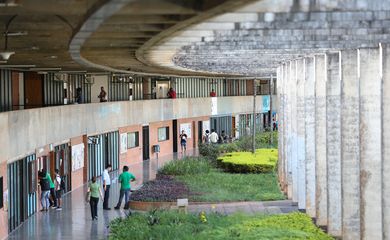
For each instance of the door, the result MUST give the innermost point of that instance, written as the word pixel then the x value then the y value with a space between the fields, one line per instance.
pixel 174 126
pixel 200 131
pixel 162 88
pixel 63 164
pixel 33 85
pixel 145 143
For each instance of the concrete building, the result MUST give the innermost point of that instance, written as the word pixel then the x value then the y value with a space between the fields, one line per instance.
pixel 328 60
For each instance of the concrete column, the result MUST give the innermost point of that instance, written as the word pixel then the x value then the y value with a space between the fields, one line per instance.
pixel 310 137
pixel 286 70
pixel 288 130
pixel 386 143
pixel 320 141
pixel 280 93
pixel 333 143
pixel 350 149
pixel 300 93
pixel 293 132
pixel 370 144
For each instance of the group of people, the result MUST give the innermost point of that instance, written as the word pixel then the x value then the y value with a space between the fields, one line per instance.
pixel 214 138
pixel 95 191
pixel 51 191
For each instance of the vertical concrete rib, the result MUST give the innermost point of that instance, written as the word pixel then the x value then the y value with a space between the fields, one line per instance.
pixel 333 143
pixel 294 135
pixel 350 145
pixel 286 69
pixel 300 93
pixel 386 142
pixel 310 137
pixel 370 144
pixel 279 79
pixel 321 164
pixel 288 106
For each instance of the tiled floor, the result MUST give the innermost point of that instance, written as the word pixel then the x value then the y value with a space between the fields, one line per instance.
pixel 74 221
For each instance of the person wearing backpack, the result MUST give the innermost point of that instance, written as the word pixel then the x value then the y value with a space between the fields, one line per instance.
pixel 45 190
pixel 59 187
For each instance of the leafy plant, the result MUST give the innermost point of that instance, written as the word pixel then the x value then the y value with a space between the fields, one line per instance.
pixel 176 225
pixel 186 166
pixel 263 161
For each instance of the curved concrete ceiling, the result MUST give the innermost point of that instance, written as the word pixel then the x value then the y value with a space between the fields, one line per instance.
pixel 253 40
pixel 114 37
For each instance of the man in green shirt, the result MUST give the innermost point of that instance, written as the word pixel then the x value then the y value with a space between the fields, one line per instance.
pixel 125 178
pixel 53 197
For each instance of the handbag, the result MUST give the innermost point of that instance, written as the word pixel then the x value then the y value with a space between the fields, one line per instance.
pixel 88 197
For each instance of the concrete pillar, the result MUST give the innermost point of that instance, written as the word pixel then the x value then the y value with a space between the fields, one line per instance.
pixel 350 149
pixel 310 137
pixel 333 143
pixel 288 130
pixel 280 93
pixel 386 143
pixel 320 141
pixel 293 132
pixel 370 144
pixel 300 95
pixel 286 69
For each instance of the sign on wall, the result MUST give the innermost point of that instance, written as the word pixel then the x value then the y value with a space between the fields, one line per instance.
pixel 187 129
pixel 206 126
pixel 77 156
pixel 266 104
pixel 214 106
pixel 123 146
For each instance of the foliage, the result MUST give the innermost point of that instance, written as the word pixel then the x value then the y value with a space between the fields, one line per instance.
pixel 209 151
pixel 262 140
pixel 186 166
pixel 163 189
pixel 263 161
pixel 167 225
pixel 225 187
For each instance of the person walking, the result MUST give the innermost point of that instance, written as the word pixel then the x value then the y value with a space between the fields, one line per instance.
pixel 183 141
pixel 95 192
pixel 52 195
pixel 58 190
pixel 106 186
pixel 171 93
pixel 45 190
pixel 206 137
pixel 125 178
pixel 214 137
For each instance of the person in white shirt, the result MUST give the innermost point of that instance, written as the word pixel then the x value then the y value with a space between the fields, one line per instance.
pixel 214 136
pixel 58 189
pixel 106 186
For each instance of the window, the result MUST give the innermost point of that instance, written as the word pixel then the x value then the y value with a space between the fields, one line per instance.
pixel 163 134
pixel 132 140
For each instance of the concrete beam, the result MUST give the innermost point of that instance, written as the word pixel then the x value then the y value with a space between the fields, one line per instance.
pixel 333 143
pixel 386 143
pixel 300 111
pixel 321 164
pixel 370 143
pixel 310 136
pixel 350 145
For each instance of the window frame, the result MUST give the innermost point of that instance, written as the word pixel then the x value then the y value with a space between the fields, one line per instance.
pixel 166 134
pixel 136 139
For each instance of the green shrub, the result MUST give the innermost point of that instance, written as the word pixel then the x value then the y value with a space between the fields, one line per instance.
pixel 209 151
pixel 167 225
pixel 263 161
pixel 262 140
pixel 186 166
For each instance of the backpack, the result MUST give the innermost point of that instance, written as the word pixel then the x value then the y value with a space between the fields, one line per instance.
pixel 207 138
pixel 45 184
pixel 62 185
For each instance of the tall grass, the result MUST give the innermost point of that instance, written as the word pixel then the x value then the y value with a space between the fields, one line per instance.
pixel 186 166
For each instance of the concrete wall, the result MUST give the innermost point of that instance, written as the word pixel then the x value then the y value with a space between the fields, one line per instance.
pixel 22 132
pixel 344 135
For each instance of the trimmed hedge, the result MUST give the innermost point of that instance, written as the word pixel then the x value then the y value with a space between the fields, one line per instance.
pixel 263 161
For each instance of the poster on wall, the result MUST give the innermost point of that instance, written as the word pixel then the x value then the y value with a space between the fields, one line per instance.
pixel 187 129
pixel 123 143
pixel 77 156
pixel 206 126
pixel 214 106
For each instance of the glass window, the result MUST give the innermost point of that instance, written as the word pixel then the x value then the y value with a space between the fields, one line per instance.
pixel 163 134
pixel 132 140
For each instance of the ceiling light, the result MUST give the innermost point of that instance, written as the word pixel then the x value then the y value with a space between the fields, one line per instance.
pixel 17 66
pixel 14 34
pixel 6 55
pixel 45 69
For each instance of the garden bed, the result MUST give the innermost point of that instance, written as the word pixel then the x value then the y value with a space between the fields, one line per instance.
pixel 167 225
pixel 262 161
pixel 197 180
